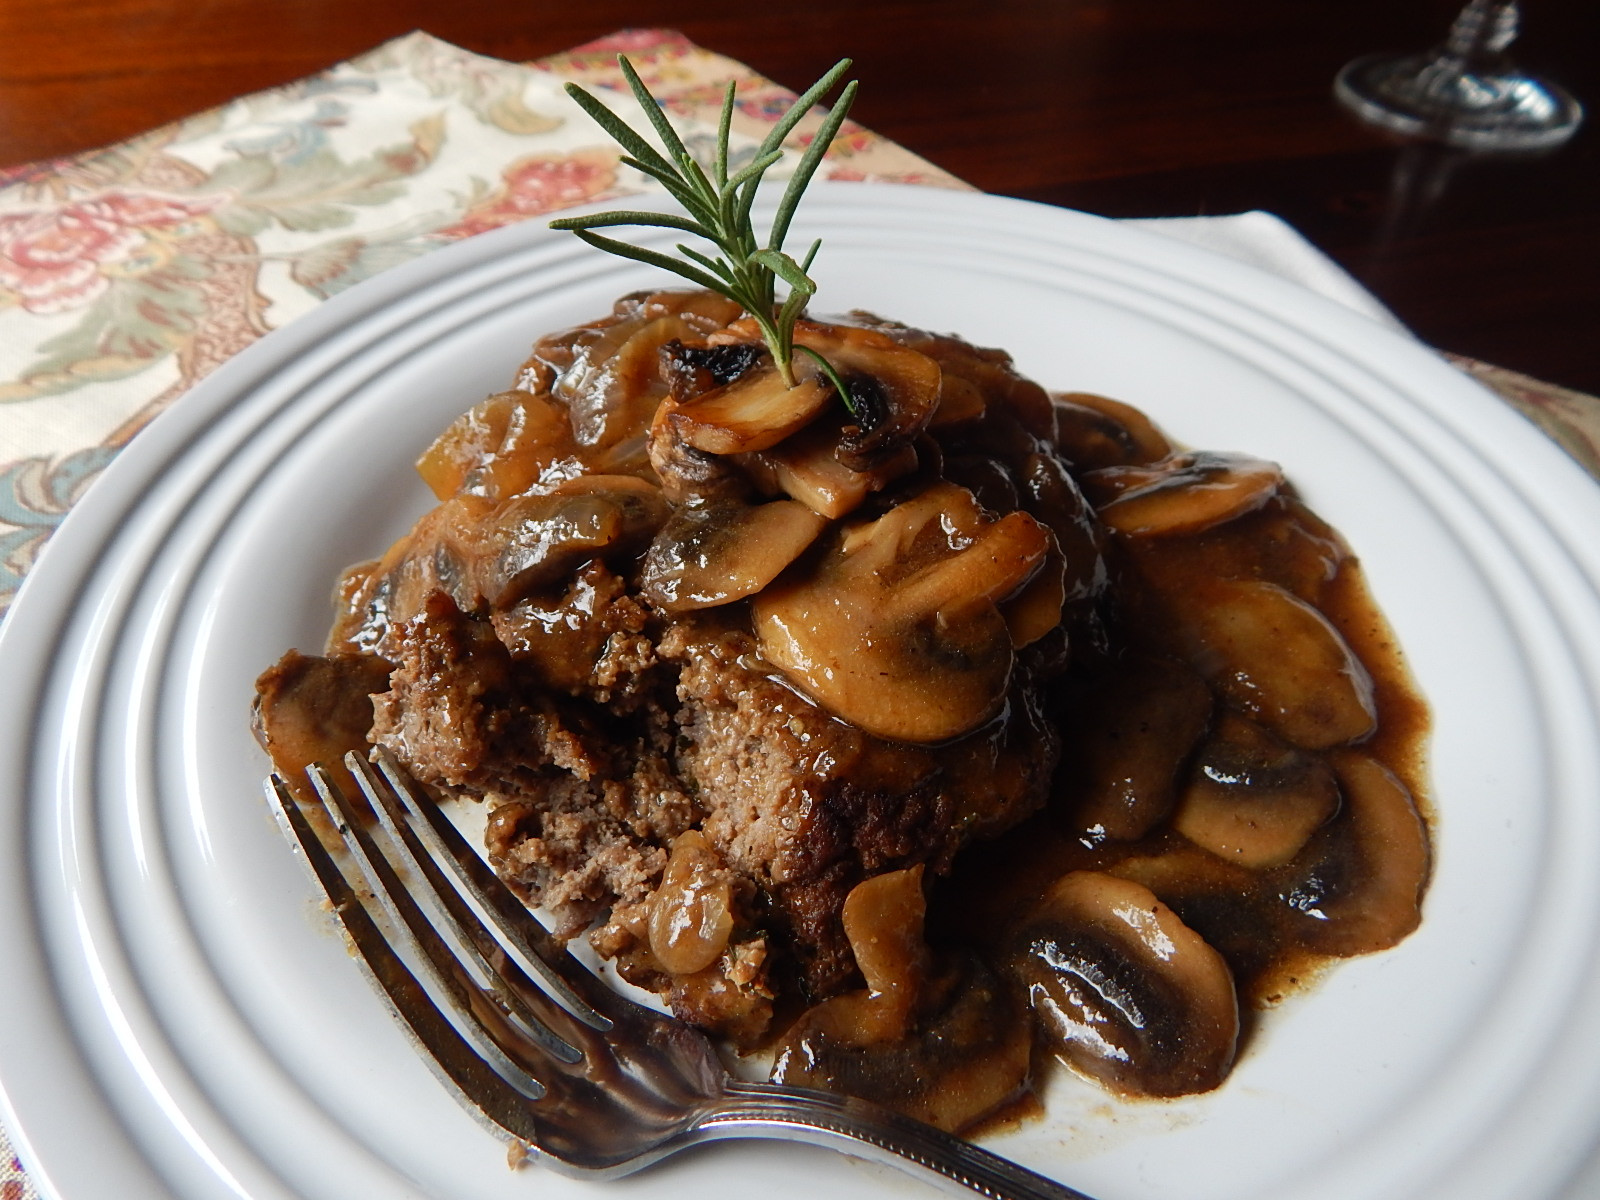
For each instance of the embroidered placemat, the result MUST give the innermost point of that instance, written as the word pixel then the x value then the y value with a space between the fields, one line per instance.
pixel 127 274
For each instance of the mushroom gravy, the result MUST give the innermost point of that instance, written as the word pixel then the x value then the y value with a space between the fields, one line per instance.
pixel 914 739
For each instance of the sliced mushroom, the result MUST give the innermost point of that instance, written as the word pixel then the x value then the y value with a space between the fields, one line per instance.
pixel 978 380
pixel 1052 495
pixel 897 629
pixel 959 400
pixel 1036 609
pixel 1233 907
pixel 893 389
pixel 1125 746
pixel 711 554
pixel 883 919
pixel 613 381
pixel 994 565
pixel 688 474
pixel 1182 494
pixel 1125 991
pixel 693 369
pixel 941 1042
pixel 691 912
pixel 316 710
pixel 1278 660
pixel 437 555
pixel 1358 887
pixel 985 476
pixel 1096 431
pixel 806 468
pixel 1252 798
pixel 532 541
pixel 498 448
pixel 754 412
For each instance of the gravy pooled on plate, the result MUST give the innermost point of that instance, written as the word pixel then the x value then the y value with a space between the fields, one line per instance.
pixel 892 734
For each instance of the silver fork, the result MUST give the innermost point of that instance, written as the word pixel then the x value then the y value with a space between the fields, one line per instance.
pixel 539 1048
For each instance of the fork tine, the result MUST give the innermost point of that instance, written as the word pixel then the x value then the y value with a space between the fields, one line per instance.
pixel 457 1062
pixel 507 982
pixel 651 1087
pixel 485 1010
pixel 564 976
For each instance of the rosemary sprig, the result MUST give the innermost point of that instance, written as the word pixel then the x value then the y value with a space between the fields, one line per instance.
pixel 718 208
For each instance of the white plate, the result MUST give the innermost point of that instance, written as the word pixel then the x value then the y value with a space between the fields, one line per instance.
pixel 177 1019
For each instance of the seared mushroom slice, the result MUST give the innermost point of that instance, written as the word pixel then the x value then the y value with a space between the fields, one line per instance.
pixel 1036 609
pixel 1182 494
pixel 316 710
pixel 1278 660
pixel 806 468
pixel 754 412
pixel 896 630
pixel 1096 431
pixel 437 555
pixel 691 912
pixel 894 390
pixel 691 370
pixel 711 554
pixel 974 378
pixel 1052 495
pixel 1125 992
pixel 1126 745
pixel 688 474
pixel 939 1041
pixel 614 382
pixel 532 541
pixel 1252 798
pixel 1358 886
pixel 498 448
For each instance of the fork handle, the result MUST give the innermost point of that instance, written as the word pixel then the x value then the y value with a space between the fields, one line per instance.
pixel 859 1128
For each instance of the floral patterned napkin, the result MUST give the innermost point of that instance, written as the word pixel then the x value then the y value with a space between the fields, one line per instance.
pixel 127 274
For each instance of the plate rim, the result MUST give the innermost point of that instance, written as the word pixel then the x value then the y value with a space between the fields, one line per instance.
pixel 169 436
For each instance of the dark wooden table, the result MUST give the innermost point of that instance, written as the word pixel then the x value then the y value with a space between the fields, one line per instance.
pixel 1119 107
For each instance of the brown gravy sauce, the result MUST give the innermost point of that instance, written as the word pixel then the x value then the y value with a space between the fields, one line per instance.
pixel 1271 958
pixel 1241 795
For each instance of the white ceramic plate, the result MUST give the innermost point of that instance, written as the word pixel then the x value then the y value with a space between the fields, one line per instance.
pixel 179 1020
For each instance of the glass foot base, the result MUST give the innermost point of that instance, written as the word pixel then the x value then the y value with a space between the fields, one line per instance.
pixel 1434 97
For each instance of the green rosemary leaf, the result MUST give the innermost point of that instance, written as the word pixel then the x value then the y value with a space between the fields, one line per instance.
pixel 670 140
pixel 785 268
pixel 783 126
pixel 754 169
pixel 804 104
pixel 648 159
pixel 608 219
pixel 725 133
pixel 654 258
pixel 689 169
pixel 680 191
pixel 715 265
pixel 801 289
pixel 832 374
pixel 809 162
pixel 735 208
pixel 793 305
pixel 720 211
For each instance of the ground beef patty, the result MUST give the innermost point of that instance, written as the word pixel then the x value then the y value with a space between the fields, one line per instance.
pixel 745 668
pixel 714 651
